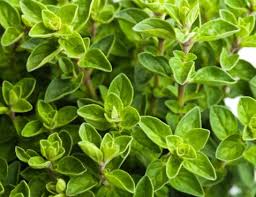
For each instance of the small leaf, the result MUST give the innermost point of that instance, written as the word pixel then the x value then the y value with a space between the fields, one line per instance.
pixel 70 166
pixel 92 151
pixel 59 88
pixel 72 44
pixel 38 162
pixel 246 109
pixel 80 184
pixel 122 87
pixel 188 183
pixel 197 138
pixel 156 64
pixel 21 190
pixel 144 188
pixel 250 154
pixel 155 129
pixel 94 114
pixel 228 16
pixel 190 120
pixel 41 55
pixel 68 13
pixel 27 86
pixel 32 128
pixel 129 117
pixel 95 58
pixel 216 29
pixel 88 133
pixel 228 61
pixel 200 166
pixel 121 179
pixel 21 106
pixel 173 166
pixel 10 36
pixel 9 15
pixel 65 115
pixel 3 169
pixel 212 75
pixel 230 149
pixel 51 20
pixel 155 27
pixel 40 31
pixel 32 9
pixel 223 122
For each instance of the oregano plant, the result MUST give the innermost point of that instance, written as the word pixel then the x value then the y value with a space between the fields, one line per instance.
pixel 126 98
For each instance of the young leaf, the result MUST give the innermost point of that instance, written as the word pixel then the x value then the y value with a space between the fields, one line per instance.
pixel 38 162
pixel 95 58
pixel 173 166
pixel 155 27
pixel 155 64
pixel 92 151
pixel 155 129
pixel 212 75
pixel 121 179
pixel 215 30
pixel 246 109
pixel 68 13
pixel 51 20
pixel 70 166
pixel 122 87
pixel 32 128
pixel 188 183
pixel 129 117
pixel 80 184
pixel 250 154
pixel 88 133
pixel 144 188
pixel 223 122
pixel 191 120
pixel 228 61
pixel 230 149
pixel 200 166
pixel 32 10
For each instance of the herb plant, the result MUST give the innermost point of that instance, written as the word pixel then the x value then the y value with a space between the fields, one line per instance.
pixel 120 98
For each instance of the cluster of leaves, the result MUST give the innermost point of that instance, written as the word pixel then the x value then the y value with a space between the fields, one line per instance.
pixel 126 98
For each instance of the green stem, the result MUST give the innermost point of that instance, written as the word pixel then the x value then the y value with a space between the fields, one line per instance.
pixel 181 93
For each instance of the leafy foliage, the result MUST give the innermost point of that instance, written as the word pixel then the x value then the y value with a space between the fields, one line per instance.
pixel 125 98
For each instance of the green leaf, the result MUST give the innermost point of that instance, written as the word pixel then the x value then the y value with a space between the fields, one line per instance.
pixel 68 13
pixel 32 10
pixel 227 60
pixel 88 133
pixel 173 141
pixel 132 15
pixel 3 169
pixel 41 55
pixel 6 88
pixel 121 179
pixel 95 58
pixel 32 128
pixel 200 166
pixel 27 86
pixel 1 188
pixel 155 129
pixel 129 117
pixel 173 166
pixel 250 154
pixel 109 148
pixel 144 188
pixel 38 162
pixel 40 31
pixel 94 114
pixel 105 44
pixel 246 109
pixel 9 15
pixel 10 36
pixel 190 120
pixel 182 71
pixel 155 27
pixel 186 151
pixel 230 148
pixel 197 138
pixel 80 184
pixel 156 64
pixel 122 87
pixel 216 29
pixel 73 45
pixel 228 16
pixel 243 70
pixel 59 88
pixel 51 20
pixel 223 122
pixel 213 76
pixel 92 151
pixel 21 190
pixel 236 4
pixel 70 166
pixel 113 107
pixel 65 115
pixel 188 183
pixel 21 106
pixel 46 112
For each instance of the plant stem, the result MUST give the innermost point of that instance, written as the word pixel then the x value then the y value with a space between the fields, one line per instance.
pixel 88 83
pixel 181 93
